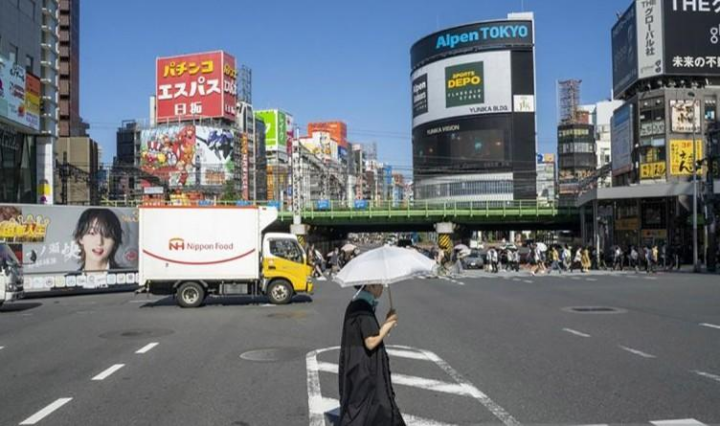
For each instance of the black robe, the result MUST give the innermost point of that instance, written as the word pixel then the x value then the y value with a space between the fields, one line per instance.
pixel 366 394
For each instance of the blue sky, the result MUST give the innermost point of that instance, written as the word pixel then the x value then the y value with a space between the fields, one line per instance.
pixel 322 59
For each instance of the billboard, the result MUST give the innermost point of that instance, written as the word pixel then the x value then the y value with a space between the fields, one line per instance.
pixel 693 37
pixel 19 95
pixel 625 51
pixel 337 130
pixel 621 139
pixel 178 154
pixel 196 85
pixel 473 84
pixel 654 170
pixel 472 37
pixel 76 247
pixel 279 127
pixel 681 156
pixel 684 116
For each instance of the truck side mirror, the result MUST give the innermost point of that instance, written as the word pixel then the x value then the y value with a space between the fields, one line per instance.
pixel 33 256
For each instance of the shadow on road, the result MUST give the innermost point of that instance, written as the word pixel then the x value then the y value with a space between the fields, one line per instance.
pixel 225 301
pixel 18 307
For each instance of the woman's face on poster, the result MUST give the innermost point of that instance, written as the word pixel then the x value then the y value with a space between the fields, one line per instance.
pixel 97 247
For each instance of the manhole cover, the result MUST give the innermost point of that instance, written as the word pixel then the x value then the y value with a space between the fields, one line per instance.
pixel 594 310
pixel 136 333
pixel 272 354
pixel 289 315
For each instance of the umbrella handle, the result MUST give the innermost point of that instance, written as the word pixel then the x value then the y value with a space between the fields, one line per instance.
pixel 390 296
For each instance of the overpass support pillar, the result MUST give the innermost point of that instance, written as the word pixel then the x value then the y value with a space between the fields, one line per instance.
pixel 445 231
pixel 300 231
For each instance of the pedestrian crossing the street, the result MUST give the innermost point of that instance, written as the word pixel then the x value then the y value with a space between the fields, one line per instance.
pixel 438 378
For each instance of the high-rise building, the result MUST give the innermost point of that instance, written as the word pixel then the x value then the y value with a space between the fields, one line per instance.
pixel 28 126
pixel 79 163
pixel 70 123
pixel 600 117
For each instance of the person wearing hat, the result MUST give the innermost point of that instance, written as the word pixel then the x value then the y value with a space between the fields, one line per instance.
pixel 367 397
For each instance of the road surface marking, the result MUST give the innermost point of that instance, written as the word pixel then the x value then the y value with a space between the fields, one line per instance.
pixel 105 374
pixel 319 406
pixel 527 281
pixel 412 381
pixel 575 332
pixel 2 347
pixel 677 422
pixel 45 411
pixel 710 325
pixel 406 354
pixel 591 279
pixel 332 407
pixel 651 278
pixel 637 352
pixel 147 348
pixel 708 375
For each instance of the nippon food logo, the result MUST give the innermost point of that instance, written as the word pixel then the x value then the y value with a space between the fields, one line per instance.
pixel 179 244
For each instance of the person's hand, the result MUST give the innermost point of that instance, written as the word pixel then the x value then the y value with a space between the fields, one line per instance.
pixel 391 315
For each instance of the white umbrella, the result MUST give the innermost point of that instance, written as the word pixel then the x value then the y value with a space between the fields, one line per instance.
pixel 462 247
pixel 349 247
pixel 385 265
pixel 464 253
pixel 542 246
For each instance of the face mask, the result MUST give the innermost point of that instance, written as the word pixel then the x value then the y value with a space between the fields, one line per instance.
pixel 366 296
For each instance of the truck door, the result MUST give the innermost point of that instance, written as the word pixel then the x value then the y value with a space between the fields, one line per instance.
pixel 286 260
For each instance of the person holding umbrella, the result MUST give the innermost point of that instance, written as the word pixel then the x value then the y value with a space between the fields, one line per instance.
pixel 367 397
pixel 366 393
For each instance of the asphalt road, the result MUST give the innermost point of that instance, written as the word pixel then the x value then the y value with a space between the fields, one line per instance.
pixel 476 349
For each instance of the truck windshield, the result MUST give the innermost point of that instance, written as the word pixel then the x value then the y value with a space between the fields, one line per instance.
pixel 7 255
pixel 286 249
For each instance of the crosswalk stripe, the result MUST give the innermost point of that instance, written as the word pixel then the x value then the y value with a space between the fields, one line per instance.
pixel 411 381
pixel 406 354
pixel 331 406
pixel 678 422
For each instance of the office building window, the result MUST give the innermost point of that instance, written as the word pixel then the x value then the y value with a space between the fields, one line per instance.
pixel 29 62
pixel 13 53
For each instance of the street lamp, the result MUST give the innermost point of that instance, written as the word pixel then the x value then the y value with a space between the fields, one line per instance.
pixel 696 264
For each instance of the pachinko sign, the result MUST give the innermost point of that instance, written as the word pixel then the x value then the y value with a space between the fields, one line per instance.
pixel 202 85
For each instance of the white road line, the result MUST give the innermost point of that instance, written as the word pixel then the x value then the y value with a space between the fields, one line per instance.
pixel 704 324
pixel 406 354
pixel 575 332
pixel 45 411
pixel 708 375
pixel 527 281
pixel 650 278
pixel 105 374
pixel 332 407
pixel 412 381
pixel 2 347
pixel 678 422
pixel 485 400
pixel 147 348
pixel 591 279
pixel 637 352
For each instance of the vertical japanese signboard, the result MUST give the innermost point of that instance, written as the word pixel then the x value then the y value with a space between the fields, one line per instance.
pixel 681 156
pixel 202 85
pixel 15 106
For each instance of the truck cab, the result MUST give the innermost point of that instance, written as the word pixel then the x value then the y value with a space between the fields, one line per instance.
pixel 11 276
pixel 284 268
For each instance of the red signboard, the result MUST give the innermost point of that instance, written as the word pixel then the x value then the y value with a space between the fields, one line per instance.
pixel 200 85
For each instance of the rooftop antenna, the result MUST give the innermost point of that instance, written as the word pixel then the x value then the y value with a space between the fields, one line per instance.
pixel 522 5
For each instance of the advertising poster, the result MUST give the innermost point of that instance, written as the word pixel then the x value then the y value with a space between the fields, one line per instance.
pixel 684 116
pixel 196 85
pixel 82 247
pixel 13 95
pixel 624 51
pixel 621 139
pixel 420 95
pixel 656 170
pixel 467 85
pixel 270 118
pixel 681 156
pixel 650 38
pixel 176 154
pixel 693 37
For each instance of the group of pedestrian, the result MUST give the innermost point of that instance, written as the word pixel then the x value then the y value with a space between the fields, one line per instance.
pixel 649 257
pixel 497 259
pixel 331 264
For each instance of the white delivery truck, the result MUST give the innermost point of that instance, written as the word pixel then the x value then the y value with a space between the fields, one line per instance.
pixel 11 275
pixel 193 252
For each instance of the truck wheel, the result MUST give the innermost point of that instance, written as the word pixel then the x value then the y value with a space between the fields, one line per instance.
pixel 190 295
pixel 280 292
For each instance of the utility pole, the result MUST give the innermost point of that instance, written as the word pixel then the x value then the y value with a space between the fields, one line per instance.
pixel 696 264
